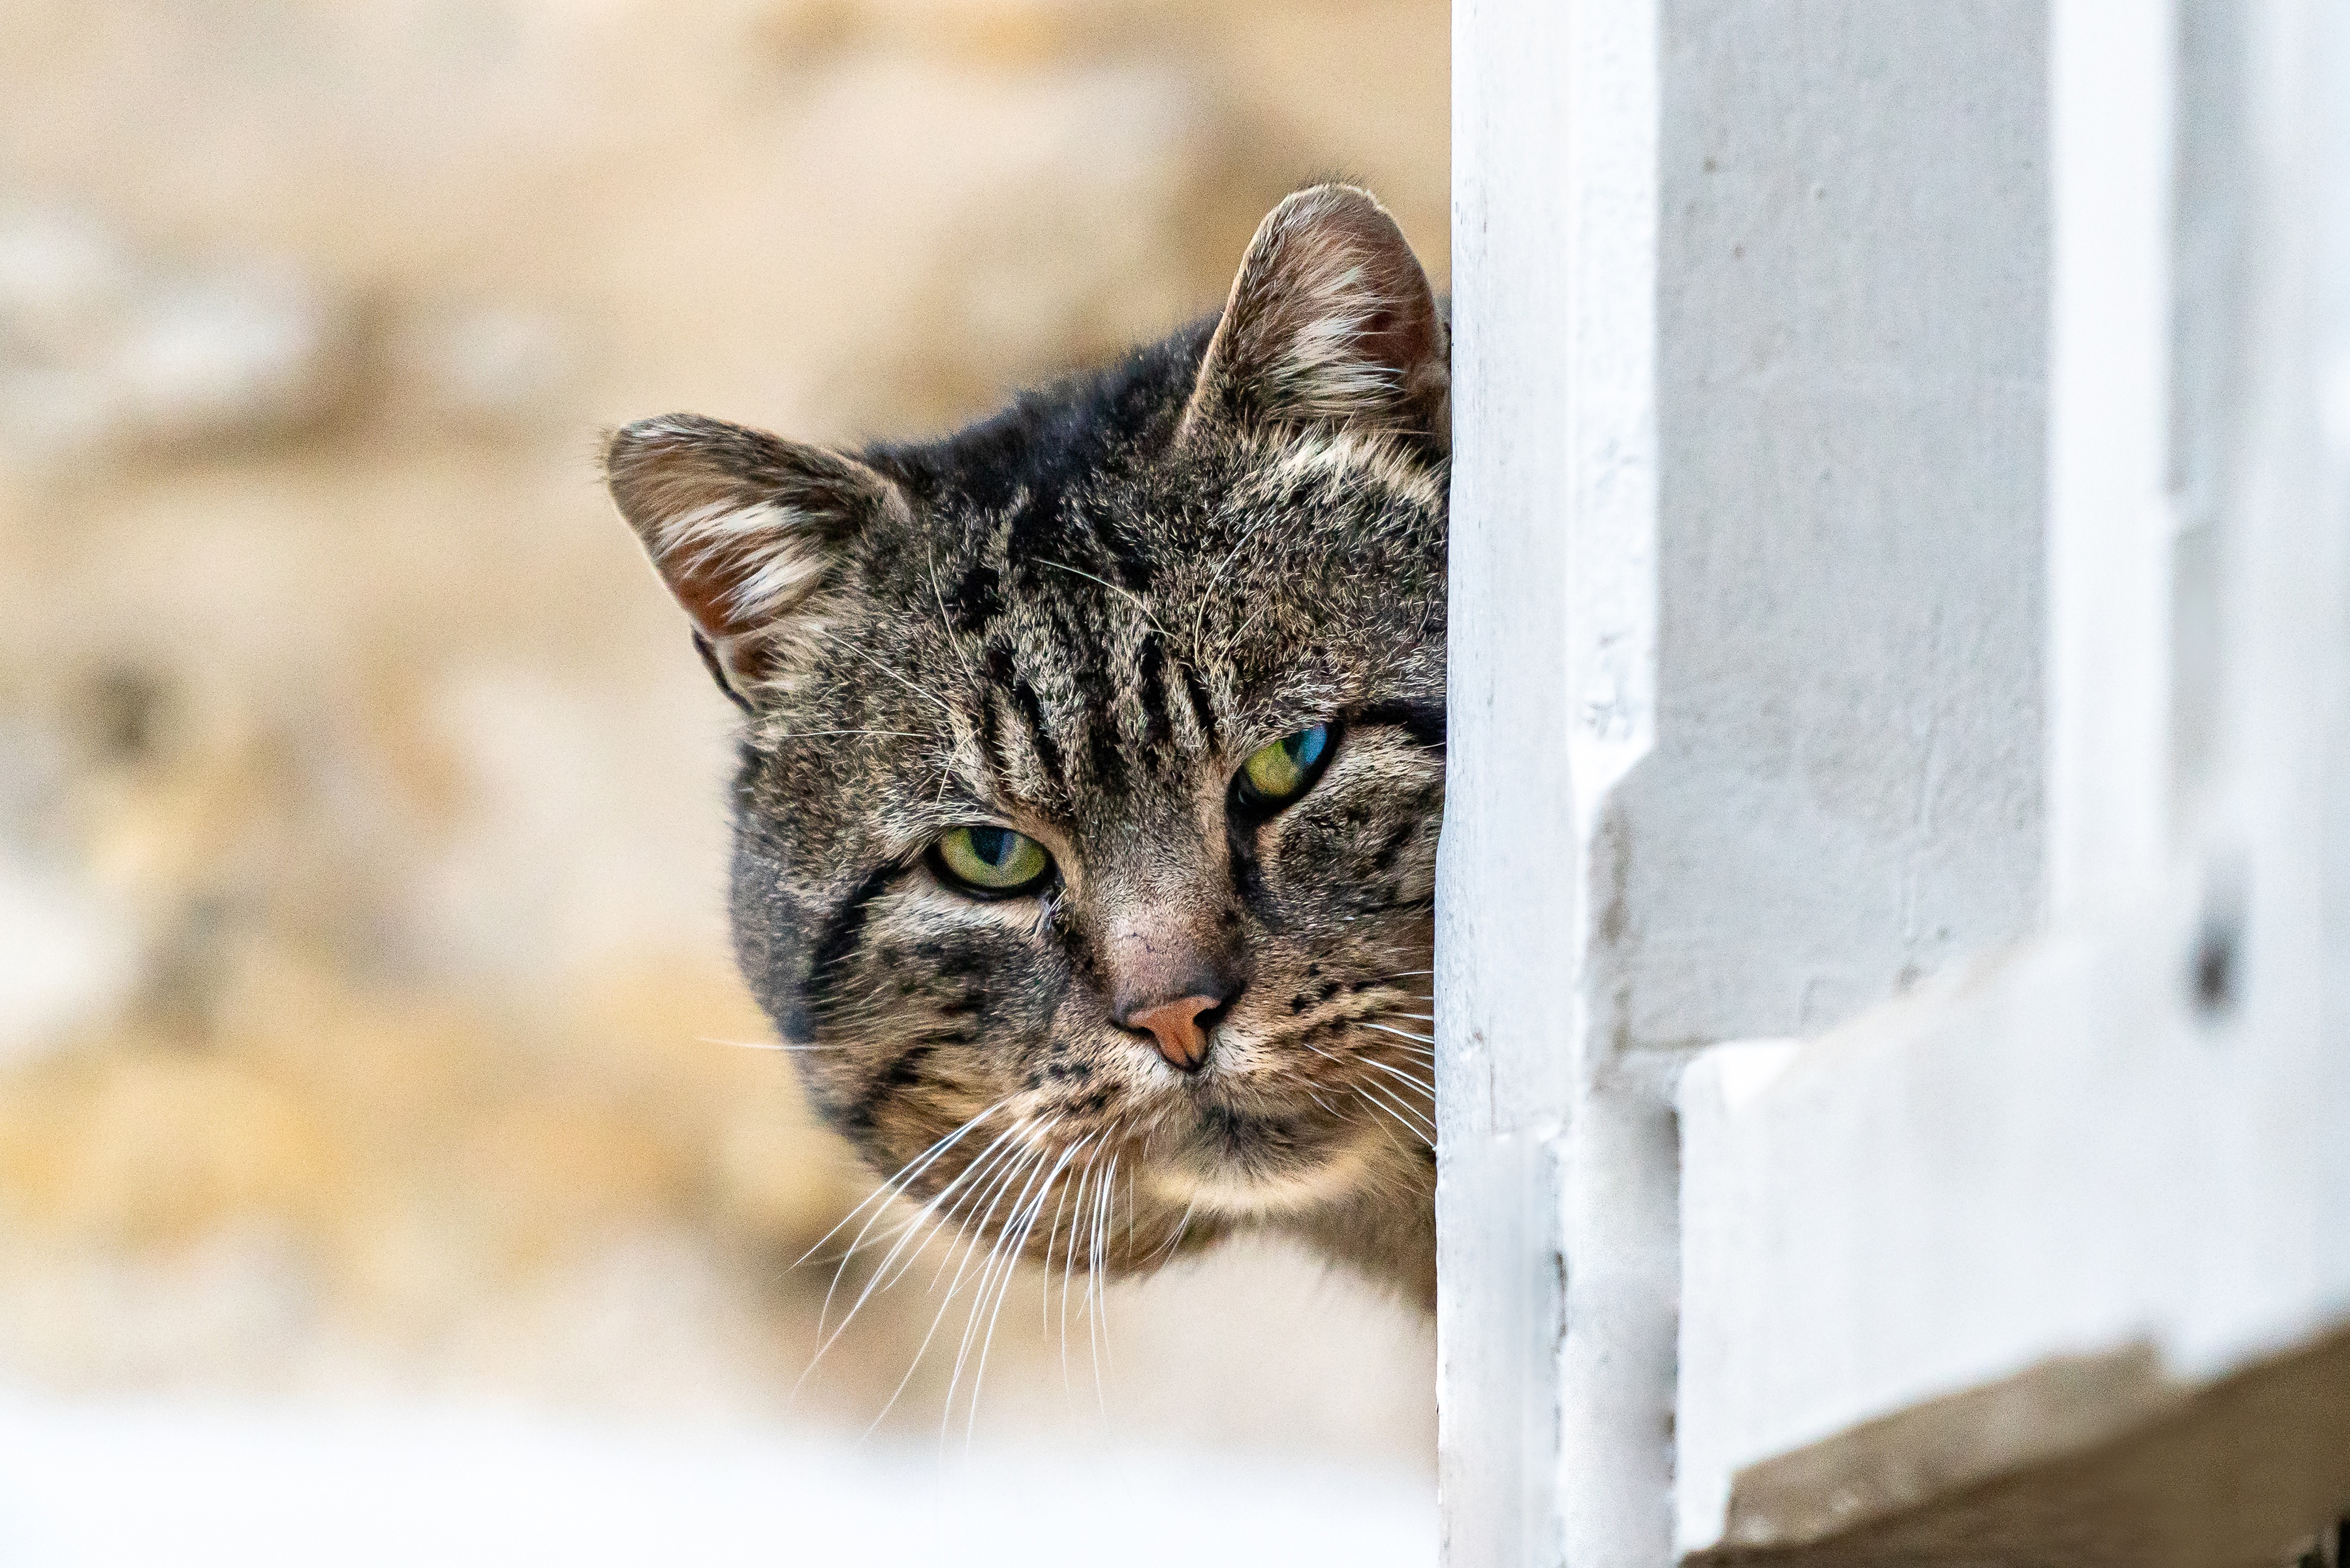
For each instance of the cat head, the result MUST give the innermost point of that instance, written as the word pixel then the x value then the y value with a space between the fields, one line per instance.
pixel 1086 818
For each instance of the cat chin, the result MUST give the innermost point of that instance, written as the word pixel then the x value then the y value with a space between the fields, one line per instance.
pixel 1231 1190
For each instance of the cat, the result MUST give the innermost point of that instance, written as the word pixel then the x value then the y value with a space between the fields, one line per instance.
pixel 1093 763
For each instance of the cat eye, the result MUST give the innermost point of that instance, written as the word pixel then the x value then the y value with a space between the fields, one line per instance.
pixel 994 862
pixel 1278 773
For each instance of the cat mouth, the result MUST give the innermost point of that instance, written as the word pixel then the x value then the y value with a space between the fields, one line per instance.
pixel 1243 1165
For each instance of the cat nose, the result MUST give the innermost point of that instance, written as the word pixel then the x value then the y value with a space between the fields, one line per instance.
pixel 1176 1026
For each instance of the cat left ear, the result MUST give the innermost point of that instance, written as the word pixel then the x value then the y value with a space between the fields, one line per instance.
pixel 1331 320
pixel 744 528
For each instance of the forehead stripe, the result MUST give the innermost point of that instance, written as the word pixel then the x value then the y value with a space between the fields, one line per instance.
pixel 1032 714
pixel 1004 677
pixel 1203 711
pixel 1152 682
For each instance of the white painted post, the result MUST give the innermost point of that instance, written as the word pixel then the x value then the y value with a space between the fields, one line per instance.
pixel 1746 669
pixel 1554 500
pixel 2113 86
pixel 1856 642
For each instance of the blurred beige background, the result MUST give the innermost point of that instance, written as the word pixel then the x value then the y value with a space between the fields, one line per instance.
pixel 363 986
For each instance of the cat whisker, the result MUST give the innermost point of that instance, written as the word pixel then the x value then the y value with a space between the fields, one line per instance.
pixel 1052 1234
pixel 1239 632
pixel 1012 1168
pixel 908 1232
pixel 952 1202
pixel 1113 588
pixel 813 734
pixel 1097 1279
pixel 1006 1172
pixel 1207 594
pixel 1069 1263
pixel 920 1350
pixel 1420 1126
pixel 896 1184
pixel 1418 1085
pixel 1002 1257
pixel 1412 1051
pixel 878 1198
pixel 763 1045
pixel 1387 1109
pixel 847 647
pixel 1078 1217
pixel 1004 1288
pixel 1176 1238
pixel 1380 1117
pixel 1425 1055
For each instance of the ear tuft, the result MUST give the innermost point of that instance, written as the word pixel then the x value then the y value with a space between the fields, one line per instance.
pixel 1331 320
pixel 742 526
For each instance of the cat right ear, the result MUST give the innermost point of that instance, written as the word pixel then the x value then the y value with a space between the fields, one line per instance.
pixel 744 528
pixel 1331 321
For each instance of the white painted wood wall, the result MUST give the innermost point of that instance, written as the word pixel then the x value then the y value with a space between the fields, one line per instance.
pixel 1894 938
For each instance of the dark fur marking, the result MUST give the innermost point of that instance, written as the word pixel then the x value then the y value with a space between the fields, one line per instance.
pixel 1405 835
pixel 978 598
pixel 1203 710
pixel 1248 876
pixel 1105 762
pixel 1005 676
pixel 1423 722
pixel 904 1071
pixel 718 672
pixel 991 742
pixel 1040 739
pixel 1151 677
pixel 841 934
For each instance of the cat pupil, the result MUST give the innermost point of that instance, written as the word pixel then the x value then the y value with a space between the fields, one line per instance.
pixel 992 844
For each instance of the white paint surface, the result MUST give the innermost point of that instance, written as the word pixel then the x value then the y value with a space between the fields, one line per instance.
pixel 2066 1159
pixel 1828 663
pixel 1552 676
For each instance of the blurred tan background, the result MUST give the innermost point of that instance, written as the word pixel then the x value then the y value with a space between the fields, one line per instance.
pixel 364 996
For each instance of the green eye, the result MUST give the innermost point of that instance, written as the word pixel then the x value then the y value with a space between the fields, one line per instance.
pixel 1279 773
pixel 993 860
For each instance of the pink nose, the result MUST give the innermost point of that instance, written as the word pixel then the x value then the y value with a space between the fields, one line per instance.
pixel 1176 1026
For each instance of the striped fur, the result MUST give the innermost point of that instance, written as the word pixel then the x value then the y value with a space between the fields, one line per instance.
pixel 1078 618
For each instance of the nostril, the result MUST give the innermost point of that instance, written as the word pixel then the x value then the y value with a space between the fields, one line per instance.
pixel 1179 1028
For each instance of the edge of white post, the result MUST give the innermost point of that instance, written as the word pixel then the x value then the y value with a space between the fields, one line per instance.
pixel 2110 521
pixel 1553 1329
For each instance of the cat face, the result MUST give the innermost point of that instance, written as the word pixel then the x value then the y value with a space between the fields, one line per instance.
pixel 1087 819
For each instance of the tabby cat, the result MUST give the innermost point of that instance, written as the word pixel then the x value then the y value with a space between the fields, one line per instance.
pixel 1086 822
